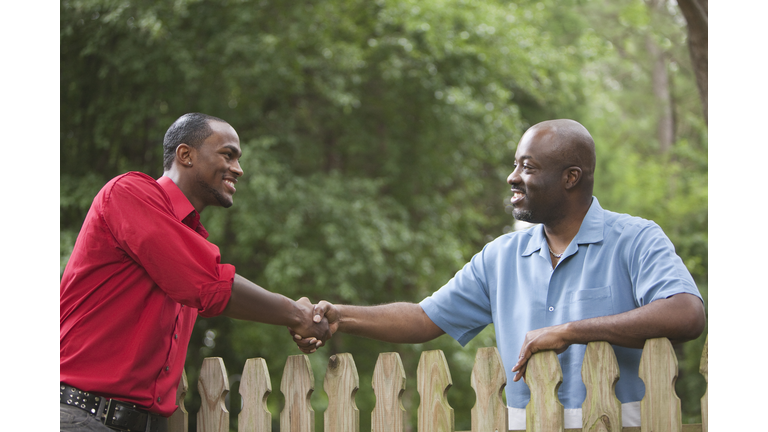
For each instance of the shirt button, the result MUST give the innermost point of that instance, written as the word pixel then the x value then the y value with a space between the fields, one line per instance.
pixel 158 400
pixel 176 336
pixel 166 368
pixel 551 308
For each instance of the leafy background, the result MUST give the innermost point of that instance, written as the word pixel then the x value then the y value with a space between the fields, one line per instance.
pixel 377 137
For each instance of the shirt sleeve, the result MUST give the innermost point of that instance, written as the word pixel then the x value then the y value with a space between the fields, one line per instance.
pixel 180 261
pixel 656 270
pixel 462 307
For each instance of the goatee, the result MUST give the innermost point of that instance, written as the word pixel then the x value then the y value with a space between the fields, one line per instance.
pixel 522 215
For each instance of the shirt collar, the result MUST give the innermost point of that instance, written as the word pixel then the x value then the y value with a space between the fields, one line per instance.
pixel 182 208
pixel 591 231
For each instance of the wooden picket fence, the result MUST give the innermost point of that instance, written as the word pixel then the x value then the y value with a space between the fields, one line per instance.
pixel 660 408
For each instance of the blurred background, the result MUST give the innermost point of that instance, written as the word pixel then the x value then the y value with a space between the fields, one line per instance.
pixel 377 137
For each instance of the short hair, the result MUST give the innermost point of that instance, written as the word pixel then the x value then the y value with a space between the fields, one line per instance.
pixel 191 129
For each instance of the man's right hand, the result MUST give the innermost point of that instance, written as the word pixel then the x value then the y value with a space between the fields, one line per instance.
pixel 316 328
pixel 400 322
pixel 323 313
pixel 328 311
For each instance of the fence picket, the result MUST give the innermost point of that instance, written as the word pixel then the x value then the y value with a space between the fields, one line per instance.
pixel 388 386
pixel 660 407
pixel 543 375
pixel 255 386
pixel 601 410
pixel 704 370
pixel 341 383
pixel 297 385
pixel 489 379
pixel 433 381
pixel 213 387
pixel 179 420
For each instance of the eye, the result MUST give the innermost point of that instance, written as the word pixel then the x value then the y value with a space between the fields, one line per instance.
pixel 525 166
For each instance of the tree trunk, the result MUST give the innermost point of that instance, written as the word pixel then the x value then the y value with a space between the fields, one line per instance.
pixel 695 13
pixel 665 126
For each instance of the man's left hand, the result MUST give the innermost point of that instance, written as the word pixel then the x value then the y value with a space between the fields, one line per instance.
pixel 547 338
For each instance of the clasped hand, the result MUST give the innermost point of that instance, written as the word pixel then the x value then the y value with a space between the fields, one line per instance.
pixel 324 322
pixel 324 314
pixel 314 326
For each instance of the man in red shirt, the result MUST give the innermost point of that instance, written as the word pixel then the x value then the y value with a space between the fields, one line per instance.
pixel 141 271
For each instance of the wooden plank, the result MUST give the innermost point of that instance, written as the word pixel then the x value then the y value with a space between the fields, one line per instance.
pixel 696 427
pixel 179 420
pixel 297 385
pixel 489 379
pixel 660 407
pixel 255 387
pixel 601 410
pixel 388 385
pixel 543 376
pixel 341 383
pixel 704 370
pixel 213 387
pixel 433 381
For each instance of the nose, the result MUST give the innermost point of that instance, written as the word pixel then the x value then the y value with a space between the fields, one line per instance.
pixel 235 168
pixel 514 178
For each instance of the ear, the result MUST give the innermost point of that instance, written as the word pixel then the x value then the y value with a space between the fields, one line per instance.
pixel 572 176
pixel 184 154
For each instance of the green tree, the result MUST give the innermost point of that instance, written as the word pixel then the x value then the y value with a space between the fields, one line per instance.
pixel 377 137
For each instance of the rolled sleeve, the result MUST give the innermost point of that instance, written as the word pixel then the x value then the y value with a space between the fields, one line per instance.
pixel 215 296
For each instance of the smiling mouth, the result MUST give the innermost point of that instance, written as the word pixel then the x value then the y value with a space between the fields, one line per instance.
pixel 517 196
pixel 230 185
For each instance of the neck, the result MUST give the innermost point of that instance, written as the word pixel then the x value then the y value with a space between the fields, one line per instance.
pixel 180 180
pixel 560 233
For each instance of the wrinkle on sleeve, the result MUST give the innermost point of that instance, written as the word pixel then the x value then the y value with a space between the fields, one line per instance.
pixel 462 307
pixel 656 270
pixel 181 262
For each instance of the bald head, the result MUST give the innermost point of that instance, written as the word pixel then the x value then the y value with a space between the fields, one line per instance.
pixel 568 144
pixel 554 174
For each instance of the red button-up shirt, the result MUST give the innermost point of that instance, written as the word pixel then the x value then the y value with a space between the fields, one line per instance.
pixel 140 272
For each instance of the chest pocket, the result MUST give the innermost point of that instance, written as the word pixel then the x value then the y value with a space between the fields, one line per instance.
pixel 590 303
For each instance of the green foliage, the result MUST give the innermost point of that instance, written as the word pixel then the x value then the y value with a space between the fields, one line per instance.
pixel 377 137
pixel 633 176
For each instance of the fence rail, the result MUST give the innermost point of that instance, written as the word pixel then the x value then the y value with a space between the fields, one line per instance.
pixel 660 407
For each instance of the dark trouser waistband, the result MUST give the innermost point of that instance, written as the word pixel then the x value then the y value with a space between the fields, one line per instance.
pixel 113 413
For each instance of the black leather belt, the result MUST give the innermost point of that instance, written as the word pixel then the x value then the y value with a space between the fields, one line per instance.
pixel 113 413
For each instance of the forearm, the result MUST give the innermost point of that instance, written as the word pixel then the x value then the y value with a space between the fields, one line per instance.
pixel 395 322
pixel 679 318
pixel 254 303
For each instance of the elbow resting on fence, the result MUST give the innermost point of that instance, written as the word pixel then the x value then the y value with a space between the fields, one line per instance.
pixel 601 411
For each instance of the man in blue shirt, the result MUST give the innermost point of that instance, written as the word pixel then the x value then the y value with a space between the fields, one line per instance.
pixel 583 274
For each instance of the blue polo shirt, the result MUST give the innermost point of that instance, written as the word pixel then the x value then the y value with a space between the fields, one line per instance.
pixel 615 263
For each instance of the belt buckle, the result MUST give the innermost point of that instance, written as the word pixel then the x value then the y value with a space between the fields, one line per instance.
pixel 109 418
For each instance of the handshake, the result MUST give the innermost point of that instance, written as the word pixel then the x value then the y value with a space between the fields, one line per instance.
pixel 319 323
pixel 400 322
